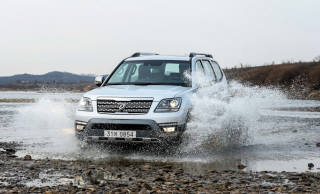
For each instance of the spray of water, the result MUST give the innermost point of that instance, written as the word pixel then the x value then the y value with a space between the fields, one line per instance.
pixel 226 116
pixel 46 126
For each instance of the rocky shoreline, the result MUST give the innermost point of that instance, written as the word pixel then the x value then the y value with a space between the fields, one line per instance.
pixel 26 175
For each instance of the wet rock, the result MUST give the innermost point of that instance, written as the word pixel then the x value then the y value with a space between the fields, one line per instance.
pixel 30 166
pixel 122 185
pixel 143 191
pixel 92 177
pixel 318 144
pixel 125 191
pixel 90 188
pixel 10 150
pixel 92 167
pixel 310 166
pixel 166 170
pixel 27 157
pixel 158 179
pixel 295 131
pixel 146 166
pixel 241 166
pixel 299 189
pixel 168 183
pixel 78 180
pixel 147 186
pixel 102 183
pixel 168 166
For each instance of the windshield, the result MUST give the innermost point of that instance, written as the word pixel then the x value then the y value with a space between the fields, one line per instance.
pixel 152 72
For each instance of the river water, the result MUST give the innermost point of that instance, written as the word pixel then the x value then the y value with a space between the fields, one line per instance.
pixel 260 128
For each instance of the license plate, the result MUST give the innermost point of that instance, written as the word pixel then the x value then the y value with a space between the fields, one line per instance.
pixel 121 134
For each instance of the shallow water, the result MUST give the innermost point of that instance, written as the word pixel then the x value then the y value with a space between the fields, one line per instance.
pixel 259 128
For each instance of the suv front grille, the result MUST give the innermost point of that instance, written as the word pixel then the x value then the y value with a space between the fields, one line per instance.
pixel 133 106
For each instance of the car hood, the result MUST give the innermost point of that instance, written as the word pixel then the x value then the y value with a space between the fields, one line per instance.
pixel 157 92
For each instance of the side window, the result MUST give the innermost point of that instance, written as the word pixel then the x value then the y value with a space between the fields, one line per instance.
pixel 199 68
pixel 217 70
pixel 200 80
pixel 208 70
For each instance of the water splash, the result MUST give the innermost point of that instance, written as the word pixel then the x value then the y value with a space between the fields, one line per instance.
pixel 227 116
pixel 46 126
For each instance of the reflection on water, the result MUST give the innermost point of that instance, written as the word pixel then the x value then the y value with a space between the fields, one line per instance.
pixel 284 137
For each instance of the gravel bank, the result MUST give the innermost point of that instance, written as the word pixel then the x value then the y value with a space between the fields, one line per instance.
pixel 123 176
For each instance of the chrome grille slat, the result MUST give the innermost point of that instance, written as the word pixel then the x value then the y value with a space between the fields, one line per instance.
pixel 133 106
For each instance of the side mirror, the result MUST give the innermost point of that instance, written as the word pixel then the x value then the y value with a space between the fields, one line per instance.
pixel 100 79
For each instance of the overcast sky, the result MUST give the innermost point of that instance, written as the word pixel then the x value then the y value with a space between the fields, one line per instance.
pixel 92 36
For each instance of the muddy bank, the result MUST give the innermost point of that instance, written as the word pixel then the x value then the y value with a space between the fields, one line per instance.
pixel 49 87
pixel 298 79
pixel 56 176
pixel 17 100
pixel 31 100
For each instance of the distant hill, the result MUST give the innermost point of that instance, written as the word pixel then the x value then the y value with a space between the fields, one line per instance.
pixel 51 77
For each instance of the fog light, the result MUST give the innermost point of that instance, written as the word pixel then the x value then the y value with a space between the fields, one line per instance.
pixel 169 129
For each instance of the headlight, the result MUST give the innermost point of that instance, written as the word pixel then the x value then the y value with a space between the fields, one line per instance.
pixel 85 104
pixel 169 105
pixel 80 125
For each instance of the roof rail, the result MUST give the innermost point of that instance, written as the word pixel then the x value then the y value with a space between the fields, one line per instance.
pixel 138 54
pixel 195 54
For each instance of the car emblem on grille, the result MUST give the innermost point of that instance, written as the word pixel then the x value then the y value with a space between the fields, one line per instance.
pixel 122 106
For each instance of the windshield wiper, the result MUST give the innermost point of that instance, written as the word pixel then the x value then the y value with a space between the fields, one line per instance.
pixel 145 83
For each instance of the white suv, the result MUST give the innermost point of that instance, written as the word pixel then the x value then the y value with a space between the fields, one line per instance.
pixel 146 99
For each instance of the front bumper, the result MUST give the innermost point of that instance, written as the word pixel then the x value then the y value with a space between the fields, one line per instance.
pixel 147 131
